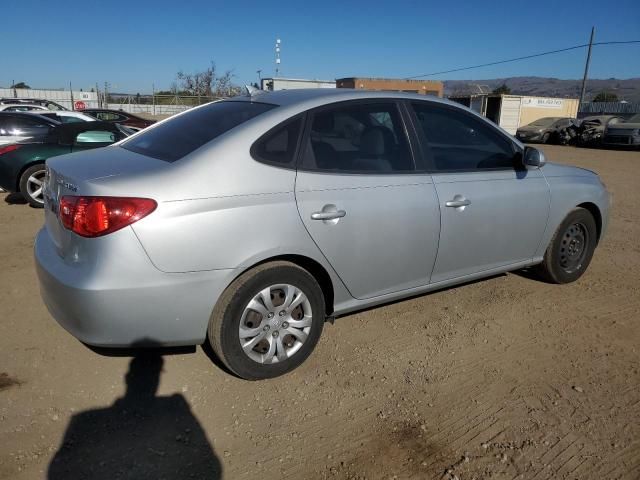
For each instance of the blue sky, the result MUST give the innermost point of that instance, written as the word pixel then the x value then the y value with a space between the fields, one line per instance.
pixel 136 43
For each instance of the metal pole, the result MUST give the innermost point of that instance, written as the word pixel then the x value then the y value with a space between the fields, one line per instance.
pixel 98 95
pixel 71 92
pixel 153 97
pixel 106 101
pixel 586 69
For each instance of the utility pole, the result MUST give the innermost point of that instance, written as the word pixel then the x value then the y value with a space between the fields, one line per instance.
pixel 71 92
pixel 98 96
pixel 259 72
pixel 586 69
pixel 106 101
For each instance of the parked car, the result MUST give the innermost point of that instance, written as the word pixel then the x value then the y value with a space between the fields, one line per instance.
pixel 22 165
pixel 118 116
pixel 20 126
pixel 250 221
pixel 625 133
pixel 586 132
pixel 542 130
pixel 22 107
pixel 32 101
pixel 593 128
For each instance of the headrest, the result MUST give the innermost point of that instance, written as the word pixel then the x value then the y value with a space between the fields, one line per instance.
pixel 323 122
pixel 372 142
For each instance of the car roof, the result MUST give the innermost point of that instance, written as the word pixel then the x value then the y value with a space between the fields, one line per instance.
pixel 29 115
pixel 330 95
pixel 111 110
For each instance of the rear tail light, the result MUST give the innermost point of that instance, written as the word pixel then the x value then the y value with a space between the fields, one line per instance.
pixel 9 148
pixel 98 216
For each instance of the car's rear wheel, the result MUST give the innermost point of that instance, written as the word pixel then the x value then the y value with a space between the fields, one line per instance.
pixel 31 185
pixel 268 321
pixel 571 248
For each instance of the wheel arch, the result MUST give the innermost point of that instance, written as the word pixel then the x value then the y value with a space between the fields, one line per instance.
pixel 593 209
pixel 317 270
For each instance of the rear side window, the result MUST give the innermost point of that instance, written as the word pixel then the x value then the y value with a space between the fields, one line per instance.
pixel 365 138
pixel 278 146
pixel 172 140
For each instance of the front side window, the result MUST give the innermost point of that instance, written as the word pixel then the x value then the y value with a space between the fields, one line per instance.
pixel 358 138
pixel 181 135
pixel 68 119
pixel 456 140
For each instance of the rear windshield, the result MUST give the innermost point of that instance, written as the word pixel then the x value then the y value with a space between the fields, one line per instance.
pixel 172 140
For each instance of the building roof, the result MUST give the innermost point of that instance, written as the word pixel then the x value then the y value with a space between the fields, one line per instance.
pixel 315 80
pixel 380 79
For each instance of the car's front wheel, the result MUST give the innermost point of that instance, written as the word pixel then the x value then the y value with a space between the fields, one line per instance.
pixel 268 321
pixel 571 248
pixel 31 185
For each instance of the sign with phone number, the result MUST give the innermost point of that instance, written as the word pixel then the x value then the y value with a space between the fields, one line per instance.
pixel 543 102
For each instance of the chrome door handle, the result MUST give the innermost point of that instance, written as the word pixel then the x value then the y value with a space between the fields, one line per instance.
pixel 463 202
pixel 328 215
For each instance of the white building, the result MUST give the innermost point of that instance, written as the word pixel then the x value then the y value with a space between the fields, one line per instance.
pixel 280 83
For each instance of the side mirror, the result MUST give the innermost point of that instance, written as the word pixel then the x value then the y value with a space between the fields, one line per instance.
pixel 533 158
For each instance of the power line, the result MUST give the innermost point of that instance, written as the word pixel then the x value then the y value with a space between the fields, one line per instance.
pixel 551 52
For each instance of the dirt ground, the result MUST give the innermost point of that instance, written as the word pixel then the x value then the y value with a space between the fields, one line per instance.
pixel 505 378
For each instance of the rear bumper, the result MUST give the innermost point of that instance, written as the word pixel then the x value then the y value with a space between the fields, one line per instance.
pixel 120 307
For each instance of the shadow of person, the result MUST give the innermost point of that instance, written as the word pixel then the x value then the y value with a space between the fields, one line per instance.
pixel 141 436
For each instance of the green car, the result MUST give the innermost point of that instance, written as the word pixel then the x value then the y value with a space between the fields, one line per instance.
pixel 22 164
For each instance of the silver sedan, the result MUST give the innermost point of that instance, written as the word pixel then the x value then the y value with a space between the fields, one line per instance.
pixel 249 222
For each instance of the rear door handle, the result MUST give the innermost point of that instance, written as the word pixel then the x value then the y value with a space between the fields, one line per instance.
pixel 458 201
pixel 328 215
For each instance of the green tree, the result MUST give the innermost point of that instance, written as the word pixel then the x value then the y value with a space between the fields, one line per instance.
pixel 605 96
pixel 502 89
pixel 20 85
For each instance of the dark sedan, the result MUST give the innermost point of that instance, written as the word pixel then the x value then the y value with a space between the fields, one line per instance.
pixel 543 130
pixel 118 116
pixel 22 165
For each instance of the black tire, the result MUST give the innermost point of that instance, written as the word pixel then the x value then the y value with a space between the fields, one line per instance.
pixel 224 324
pixel 545 137
pixel 571 248
pixel 33 170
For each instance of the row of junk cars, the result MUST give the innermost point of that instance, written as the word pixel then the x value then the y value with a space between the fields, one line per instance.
pixel 33 130
pixel 605 131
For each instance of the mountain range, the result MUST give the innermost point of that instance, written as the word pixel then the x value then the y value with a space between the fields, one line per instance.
pixel 627 89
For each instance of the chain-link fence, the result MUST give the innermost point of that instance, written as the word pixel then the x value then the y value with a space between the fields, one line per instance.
pixel 153 104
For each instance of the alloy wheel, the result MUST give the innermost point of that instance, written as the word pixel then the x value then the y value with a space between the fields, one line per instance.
pixel 35 184
pixel 275 324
